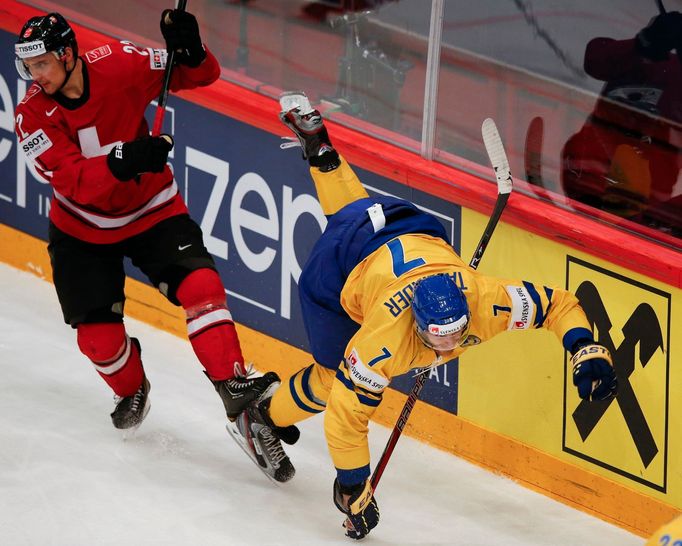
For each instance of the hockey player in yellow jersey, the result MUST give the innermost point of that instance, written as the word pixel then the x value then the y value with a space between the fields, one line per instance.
pixel 383 292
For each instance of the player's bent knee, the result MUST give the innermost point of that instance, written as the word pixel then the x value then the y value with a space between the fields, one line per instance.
pixel 322 379
pixel 310 388
pixel 200 290
pixel 101 342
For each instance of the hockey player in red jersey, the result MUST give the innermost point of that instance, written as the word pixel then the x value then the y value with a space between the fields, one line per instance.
pixel 82 124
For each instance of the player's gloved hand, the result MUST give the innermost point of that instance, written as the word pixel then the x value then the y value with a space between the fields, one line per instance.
pixel 146 154
pixel 593 371
pixel 181 32
pixel 359 504
pixel 663 33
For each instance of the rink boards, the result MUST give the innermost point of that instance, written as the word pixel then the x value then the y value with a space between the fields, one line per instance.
pixel 508 404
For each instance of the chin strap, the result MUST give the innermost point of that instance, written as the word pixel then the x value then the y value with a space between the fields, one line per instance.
pixel 68 73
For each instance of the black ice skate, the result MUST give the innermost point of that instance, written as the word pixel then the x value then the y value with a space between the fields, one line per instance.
pixel 237 393
pixel 130 411
pixel 306 123
pixel 253 431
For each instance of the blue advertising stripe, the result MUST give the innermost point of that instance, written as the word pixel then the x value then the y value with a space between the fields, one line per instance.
pixel 441 390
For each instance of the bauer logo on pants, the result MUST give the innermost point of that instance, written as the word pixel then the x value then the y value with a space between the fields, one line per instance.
pixel 626 435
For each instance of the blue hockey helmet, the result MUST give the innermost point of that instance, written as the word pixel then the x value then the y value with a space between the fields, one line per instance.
pixel 440 309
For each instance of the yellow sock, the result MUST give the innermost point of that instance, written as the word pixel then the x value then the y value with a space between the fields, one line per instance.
pixel 301 396
pixel 337 188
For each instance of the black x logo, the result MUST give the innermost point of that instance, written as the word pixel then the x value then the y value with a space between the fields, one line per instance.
pixel 642 327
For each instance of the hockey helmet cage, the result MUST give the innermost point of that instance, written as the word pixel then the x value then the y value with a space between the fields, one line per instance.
pixel 42 34
pixel 439 306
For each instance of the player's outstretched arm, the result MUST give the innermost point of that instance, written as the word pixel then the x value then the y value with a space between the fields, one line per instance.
pixel 532 306
pixel 358 503
pixel 593 372
pixel 349 408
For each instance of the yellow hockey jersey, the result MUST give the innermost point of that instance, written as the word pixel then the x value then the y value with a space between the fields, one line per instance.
pixel 378 295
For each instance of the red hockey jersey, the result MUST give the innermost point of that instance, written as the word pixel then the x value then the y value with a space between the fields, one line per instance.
pixel 68 141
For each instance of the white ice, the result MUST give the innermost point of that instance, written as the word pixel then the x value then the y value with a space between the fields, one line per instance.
pixel 67 477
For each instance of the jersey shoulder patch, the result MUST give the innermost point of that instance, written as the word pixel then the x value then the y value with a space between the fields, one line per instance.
pixel 98 53
pixel 157 58
pixel 361 373
pixel 31 92
pixel 522 308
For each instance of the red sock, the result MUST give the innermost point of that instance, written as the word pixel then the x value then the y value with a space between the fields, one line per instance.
pixel 115 357
pixel 209 324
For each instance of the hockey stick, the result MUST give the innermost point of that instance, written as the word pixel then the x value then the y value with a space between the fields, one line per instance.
pixel 498 159
pixel 163 97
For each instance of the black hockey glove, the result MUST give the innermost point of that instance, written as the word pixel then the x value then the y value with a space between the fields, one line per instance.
pixel 593 371
pixel 181 32
pixel 663 33
pixel 359 504
pixel 144 155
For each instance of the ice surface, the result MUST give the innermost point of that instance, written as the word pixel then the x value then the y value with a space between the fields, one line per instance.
pixel 67 477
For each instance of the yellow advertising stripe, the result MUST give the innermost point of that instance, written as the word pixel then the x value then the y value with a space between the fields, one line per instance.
pixel 531 467
pixel 147 304
pixel 24 252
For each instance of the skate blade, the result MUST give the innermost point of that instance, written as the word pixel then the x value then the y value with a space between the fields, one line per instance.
pixel 241 442
pixel 130 433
